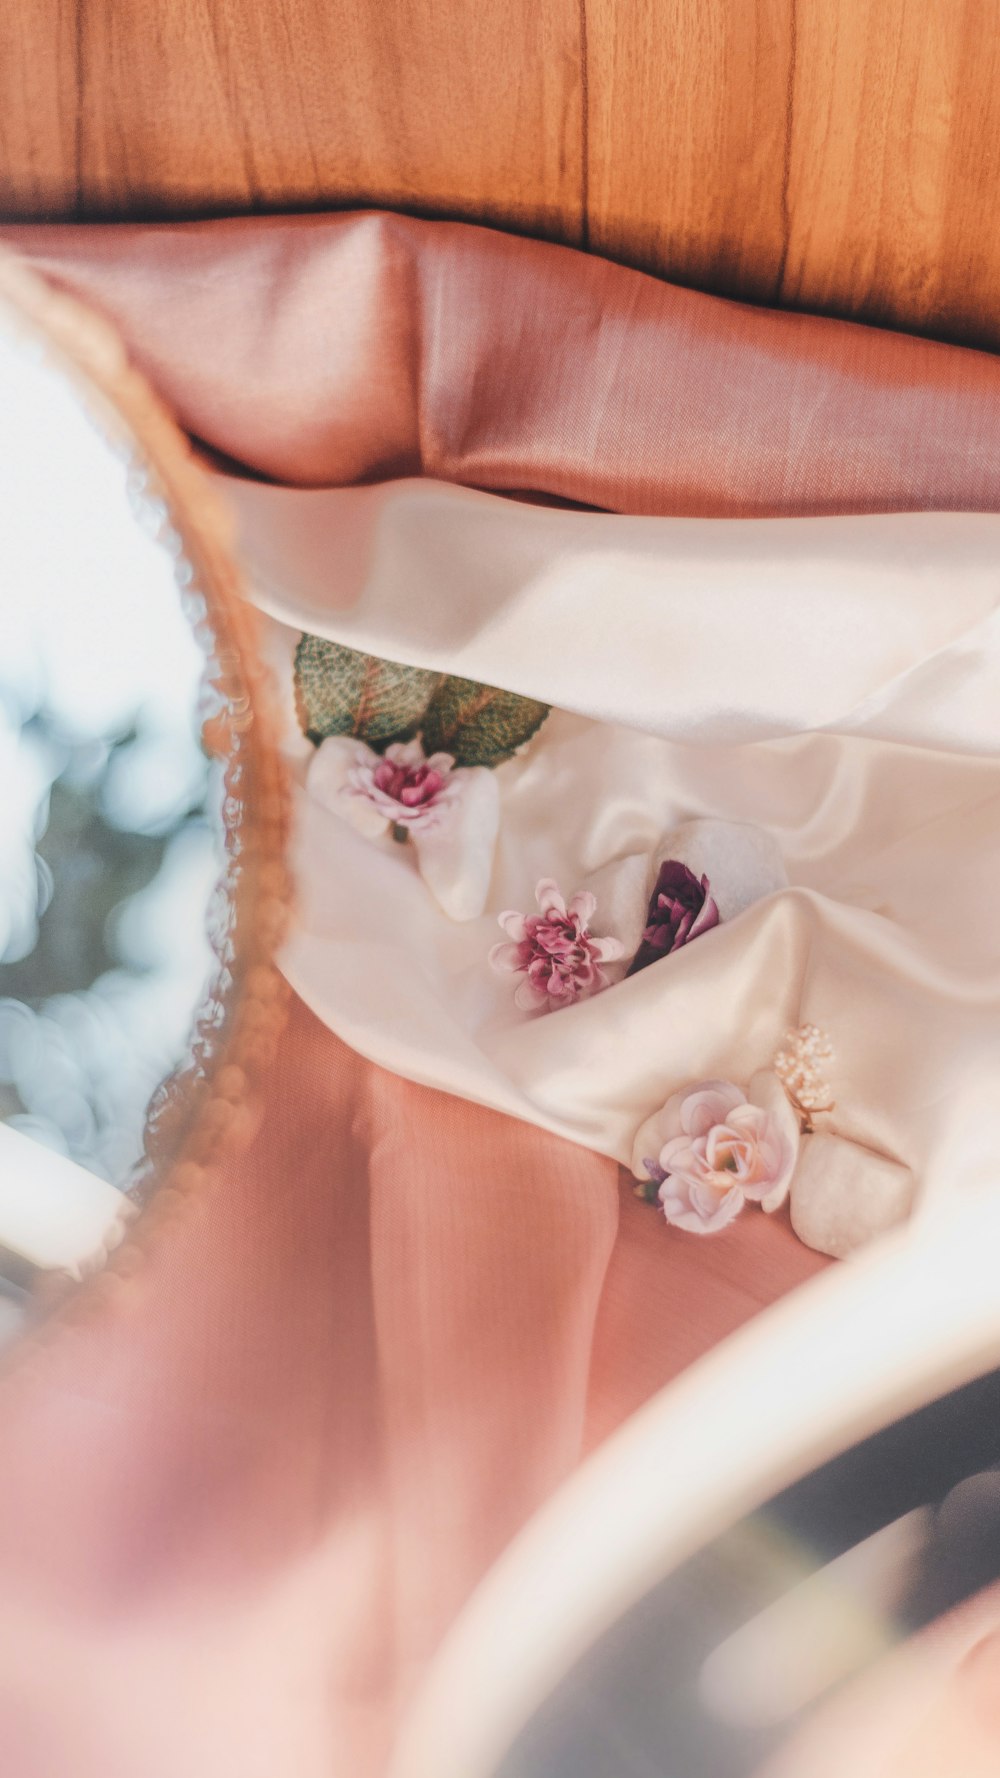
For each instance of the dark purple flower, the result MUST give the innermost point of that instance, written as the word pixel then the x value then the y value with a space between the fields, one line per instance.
pixel 681 908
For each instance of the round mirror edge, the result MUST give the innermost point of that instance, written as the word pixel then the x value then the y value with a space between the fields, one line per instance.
pixel 206 1108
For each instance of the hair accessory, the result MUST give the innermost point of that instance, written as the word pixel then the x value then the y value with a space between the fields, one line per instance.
pixel 798 1069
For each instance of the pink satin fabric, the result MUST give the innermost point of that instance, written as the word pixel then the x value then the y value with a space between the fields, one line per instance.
pixel 323 350
pixel 238 1512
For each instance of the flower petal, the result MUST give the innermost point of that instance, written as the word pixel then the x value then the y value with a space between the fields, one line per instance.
pixel 513 923
pixel 709 915
pixel 607 950
pixel 455 852
pixel 549 896
pixel 405 753
pixel 584 905
pixel 529 998
pixel 649 1139
pixel 505 956
pixel 709 1102
pixel 766 1090
pixel 680 1156
pixel 657 1131
pixel 331 765
pixel 328 782
pixel 680 1216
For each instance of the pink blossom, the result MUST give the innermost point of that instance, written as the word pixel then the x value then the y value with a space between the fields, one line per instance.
pixel 449 814
pixel 554 950
pixel 402 785
pixel 713 1147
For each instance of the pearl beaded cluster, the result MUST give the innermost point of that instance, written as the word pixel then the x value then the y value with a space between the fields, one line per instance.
pixel 798 1068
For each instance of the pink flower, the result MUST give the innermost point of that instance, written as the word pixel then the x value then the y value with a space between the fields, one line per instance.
pixel 714 1146
pixel 554 950
pixel 448 814
pixel 402 785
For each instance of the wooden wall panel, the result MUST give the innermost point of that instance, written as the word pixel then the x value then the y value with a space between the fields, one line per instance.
pixel 184 107
pixel 895 137
pixel 39 71
pixel 834 155
pixel 698 188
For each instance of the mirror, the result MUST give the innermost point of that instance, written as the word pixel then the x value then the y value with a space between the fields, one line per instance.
pixel 130 727
pixel 108 851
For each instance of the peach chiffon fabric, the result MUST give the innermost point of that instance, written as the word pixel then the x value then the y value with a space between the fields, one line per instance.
pixel 238 1511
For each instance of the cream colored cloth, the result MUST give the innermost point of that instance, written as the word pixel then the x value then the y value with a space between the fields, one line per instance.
pixel 831 681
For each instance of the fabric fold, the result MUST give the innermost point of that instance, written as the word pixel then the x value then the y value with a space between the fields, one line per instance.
pixel 323 350
pixel 824 683
pixel 697 630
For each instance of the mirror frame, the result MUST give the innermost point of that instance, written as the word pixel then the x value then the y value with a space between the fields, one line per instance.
pixel 208 1106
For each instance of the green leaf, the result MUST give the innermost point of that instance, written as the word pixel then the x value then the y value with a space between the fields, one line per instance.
pixel 479 724
pixel 339 691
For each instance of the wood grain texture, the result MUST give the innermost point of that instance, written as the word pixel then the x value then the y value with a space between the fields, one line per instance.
pixel 188 107
pixel 821 154
pixel 833 155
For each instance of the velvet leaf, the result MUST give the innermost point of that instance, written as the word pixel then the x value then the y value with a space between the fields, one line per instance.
pixel 340 691
pixel 479 724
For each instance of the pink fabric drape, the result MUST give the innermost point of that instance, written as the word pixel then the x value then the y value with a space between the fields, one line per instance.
pixel 238 1511
pixel 321 350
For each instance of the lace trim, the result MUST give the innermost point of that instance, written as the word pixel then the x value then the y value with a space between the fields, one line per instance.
pixel 206 1108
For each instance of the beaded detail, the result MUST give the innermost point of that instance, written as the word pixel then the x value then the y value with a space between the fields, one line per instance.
pixel 798 1068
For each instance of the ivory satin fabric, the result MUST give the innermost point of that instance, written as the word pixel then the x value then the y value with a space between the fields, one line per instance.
pixel 830 680
pixel 240 1509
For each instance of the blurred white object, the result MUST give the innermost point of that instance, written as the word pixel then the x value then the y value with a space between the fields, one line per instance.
pixel 816 1634
pixel 54 1214
pixel 844 1195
